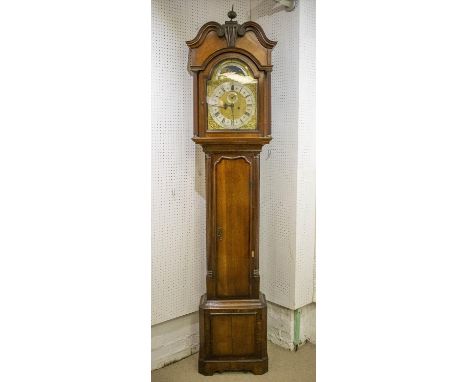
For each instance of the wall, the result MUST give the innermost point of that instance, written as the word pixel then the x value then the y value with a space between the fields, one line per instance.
pixel 278 161
pixel 290 328
pixel 287 211
pixel 173 340
pixel 305 194
pixel 307 324
pixel 178 178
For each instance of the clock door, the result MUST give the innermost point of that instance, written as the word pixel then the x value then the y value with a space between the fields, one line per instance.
pixel 233 200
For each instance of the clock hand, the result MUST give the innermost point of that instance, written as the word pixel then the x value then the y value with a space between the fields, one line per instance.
pixel 232 114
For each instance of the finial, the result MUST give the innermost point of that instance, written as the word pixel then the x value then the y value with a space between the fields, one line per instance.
pixel 232 14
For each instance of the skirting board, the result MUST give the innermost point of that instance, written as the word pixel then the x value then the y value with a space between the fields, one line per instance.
pixel 176 339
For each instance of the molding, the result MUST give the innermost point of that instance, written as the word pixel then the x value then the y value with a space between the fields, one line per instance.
pixel 259 32
pixel 227 144
pixel 232 140
pixel 231 30
pixel 247 303
pixel 231 158
pixel 201 35
pixel 260 66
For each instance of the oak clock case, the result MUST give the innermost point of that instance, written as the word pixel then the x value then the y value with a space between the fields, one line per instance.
pixel 231 67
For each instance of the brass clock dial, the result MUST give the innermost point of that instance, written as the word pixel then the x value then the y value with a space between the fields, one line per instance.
pixel 232 97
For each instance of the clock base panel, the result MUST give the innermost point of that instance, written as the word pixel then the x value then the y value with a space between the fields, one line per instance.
pixel 233 335
pixel 256 366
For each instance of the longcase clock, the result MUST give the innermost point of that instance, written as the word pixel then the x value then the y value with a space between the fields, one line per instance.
pixel 231 66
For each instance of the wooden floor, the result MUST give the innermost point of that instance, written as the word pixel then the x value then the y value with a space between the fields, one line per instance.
pixel 284 365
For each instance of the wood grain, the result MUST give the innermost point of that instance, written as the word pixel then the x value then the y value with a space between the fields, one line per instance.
pixel 233 204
